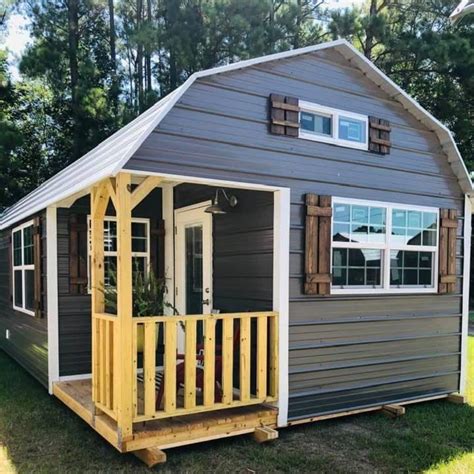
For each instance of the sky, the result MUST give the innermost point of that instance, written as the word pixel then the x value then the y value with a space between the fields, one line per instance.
pixel 17 36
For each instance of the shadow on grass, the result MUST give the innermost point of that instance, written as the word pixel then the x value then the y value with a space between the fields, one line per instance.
pixel 40 434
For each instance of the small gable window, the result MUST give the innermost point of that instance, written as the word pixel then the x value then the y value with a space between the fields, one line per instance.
pixel 338 127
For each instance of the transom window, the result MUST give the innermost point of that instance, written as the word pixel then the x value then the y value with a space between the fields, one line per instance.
pixel 334 126
pixel 23 268
pixel 140 246
pixel 379 247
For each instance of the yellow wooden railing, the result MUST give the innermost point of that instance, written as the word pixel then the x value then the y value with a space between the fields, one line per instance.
pixel 104 348
pixel 247 341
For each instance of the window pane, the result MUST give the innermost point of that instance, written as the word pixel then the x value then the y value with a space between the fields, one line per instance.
pixel 18 297
pixel 352 130
pixel 399 218
pixel 429 220
pixel 356 267
pixel 110 271
pixel 138 229
pixel 315 123
pixel 429 237
pixel 110 236
pixel 377 216
pixel 414 227
pixel 359 233
pixel 28 245
pixel 17 248
pixel 342 213
pixel 138 245
pixel 139 264
pixel 30 289
pixel 410 268
pixel 360 214
pixel 341 233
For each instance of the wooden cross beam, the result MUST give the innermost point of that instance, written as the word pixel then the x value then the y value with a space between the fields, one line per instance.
pixel 144 189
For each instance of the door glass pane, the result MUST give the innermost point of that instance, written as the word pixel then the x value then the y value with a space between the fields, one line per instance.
pixel 29 289
pixel 17 248
pixel 18 289
pixel 194 270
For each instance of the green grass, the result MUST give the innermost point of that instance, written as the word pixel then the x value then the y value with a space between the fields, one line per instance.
pixel 39 434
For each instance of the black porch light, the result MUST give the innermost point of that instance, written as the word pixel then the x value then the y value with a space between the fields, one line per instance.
pixel 215 207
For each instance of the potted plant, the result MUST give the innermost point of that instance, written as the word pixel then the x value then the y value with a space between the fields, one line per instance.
pixel 148 292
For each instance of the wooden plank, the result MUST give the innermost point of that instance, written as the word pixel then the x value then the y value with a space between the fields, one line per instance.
pixel 319 211
pixel 318 278
pixel 273 354
pixel 284 106
pixel 263 434
pixel 108 371
pixel 124 305
pixel 393 411
pixel 151 456
pixel 190 365
pixel 245 361
pixel 381 126
pixel 380 141
pixel 170 367
pixel 135 368
pixel 324 246
pixel 209 361
pixel 262 348
pixel 311 244
pixel 452 249
pixel 449 223
pixel 286 123
pixel 149 375
pixel 200 317
pixel 456 398
pixel 145 188
pixel 448 279
pixel 227 360
pixel 95 358
pixel 443 251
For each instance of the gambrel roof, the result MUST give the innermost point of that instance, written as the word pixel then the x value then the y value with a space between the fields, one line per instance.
pixel 110 156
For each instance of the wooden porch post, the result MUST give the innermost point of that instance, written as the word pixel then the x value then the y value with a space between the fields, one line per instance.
pixel 99 201
pixel 124 306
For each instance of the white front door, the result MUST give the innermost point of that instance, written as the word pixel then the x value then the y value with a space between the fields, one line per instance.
pixel 193 253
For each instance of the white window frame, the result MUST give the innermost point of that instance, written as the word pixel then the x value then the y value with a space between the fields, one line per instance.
pixel 386 247
pixel 21 267
pixel 110 253
pixel 335 114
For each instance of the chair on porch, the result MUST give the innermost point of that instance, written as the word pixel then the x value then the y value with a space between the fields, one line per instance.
pixel 200 360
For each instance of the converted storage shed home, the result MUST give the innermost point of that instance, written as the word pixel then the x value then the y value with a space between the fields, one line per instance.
pixel 279 240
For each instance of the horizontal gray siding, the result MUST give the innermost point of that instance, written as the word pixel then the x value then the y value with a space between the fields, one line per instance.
pixel 346 352
pixel 28 342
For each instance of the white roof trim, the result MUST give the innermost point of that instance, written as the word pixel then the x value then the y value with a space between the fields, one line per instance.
pixel 110 156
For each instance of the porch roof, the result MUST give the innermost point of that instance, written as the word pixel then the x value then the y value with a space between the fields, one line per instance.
pixel 109 157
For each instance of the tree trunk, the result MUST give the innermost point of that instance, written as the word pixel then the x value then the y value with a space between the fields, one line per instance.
pixel 369 35
pixel 113 57
pixel 73 39
pixel 148 49
pixel 139 63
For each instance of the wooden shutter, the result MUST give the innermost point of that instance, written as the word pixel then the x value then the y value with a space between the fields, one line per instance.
pixel 78 254
pixel 10 268
pixel 284 115
pixel 447 250
pixel 379 135
pixel 318 245
pixel 38 273
pixel 157 247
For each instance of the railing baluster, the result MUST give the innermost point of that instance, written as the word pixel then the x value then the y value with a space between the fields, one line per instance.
pixel 261 357
pixel 273 365
pixel 149 366
pixel 209 361
pixel 190 365
pixel 135 367
pixel 245 364
pixel 227 359
pixel 108 395
pixel 102 363
pixel 170 366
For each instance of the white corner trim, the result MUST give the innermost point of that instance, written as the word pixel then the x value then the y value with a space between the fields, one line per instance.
pixel 281 279
pixel 465 291
pixel 52 296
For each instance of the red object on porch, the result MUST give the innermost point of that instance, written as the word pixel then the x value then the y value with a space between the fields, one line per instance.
pixel 200 357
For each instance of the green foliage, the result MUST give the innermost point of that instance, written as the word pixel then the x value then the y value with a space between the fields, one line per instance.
pixel 86 72
pixel 148 292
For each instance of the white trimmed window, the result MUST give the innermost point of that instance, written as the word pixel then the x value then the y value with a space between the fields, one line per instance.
pixel 383 248
pixel 338 127
pixel 140 246
pixel 23 268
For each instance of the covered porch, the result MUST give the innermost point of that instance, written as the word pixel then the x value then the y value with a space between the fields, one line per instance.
pixel 193 373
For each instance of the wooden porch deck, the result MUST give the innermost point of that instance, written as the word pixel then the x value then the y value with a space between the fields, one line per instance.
pixel 169 432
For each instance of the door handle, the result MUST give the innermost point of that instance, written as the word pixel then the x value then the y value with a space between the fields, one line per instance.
pixel 206 302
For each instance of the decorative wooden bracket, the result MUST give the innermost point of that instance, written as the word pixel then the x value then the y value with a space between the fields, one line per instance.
pixel 145 188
